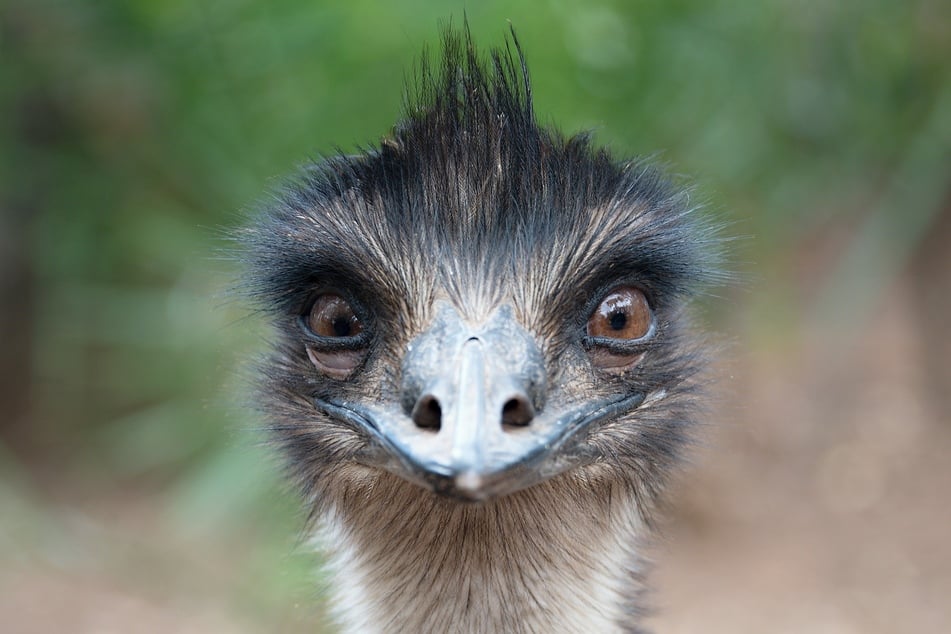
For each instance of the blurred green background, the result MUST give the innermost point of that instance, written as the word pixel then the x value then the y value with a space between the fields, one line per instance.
pixel 134 135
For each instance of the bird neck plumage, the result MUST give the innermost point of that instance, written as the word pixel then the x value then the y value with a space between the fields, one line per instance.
pixel 553 558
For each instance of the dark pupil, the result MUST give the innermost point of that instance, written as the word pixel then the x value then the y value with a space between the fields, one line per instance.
pixel 341 326
pixel 618 320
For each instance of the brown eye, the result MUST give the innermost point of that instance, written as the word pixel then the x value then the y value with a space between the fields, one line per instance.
pixel 332 317
pixel 624 314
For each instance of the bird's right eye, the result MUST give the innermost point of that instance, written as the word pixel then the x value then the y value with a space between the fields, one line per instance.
pixel 332 317
pixel 338 343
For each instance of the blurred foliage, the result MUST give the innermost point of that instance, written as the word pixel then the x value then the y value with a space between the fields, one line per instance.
pixel 133 133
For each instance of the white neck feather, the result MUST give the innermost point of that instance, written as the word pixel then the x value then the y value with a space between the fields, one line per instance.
pixel 559 557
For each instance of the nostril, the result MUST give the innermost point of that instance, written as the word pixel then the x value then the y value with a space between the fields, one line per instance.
pixel 517 411
pixel 427 413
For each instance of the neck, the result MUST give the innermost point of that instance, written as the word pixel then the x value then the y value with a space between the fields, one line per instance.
pixel 559 557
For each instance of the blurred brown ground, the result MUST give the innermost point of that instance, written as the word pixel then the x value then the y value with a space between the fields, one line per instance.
pixel 823 500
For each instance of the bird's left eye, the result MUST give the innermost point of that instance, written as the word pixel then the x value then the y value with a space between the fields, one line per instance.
pixel 621 322
pixel 623 315
pixel 332 317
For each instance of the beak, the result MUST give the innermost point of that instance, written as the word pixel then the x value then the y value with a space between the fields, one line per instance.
pixel 473 422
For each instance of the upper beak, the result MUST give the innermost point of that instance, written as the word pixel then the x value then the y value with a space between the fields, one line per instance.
pixel 473 422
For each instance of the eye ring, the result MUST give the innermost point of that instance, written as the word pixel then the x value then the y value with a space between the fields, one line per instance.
pixel 618 328
pixel 623 315
pixel 336 338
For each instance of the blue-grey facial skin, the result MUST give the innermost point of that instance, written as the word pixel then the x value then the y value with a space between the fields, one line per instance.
pixel 473 422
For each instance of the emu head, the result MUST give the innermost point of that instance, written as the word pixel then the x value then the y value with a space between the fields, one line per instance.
pixel 478 305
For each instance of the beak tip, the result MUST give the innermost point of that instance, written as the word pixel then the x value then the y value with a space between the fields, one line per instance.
pixel 468 486
pixel 470 483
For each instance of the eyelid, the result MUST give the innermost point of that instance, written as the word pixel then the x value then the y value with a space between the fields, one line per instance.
pixel 333 343
pixel 338 364
pixel 621 345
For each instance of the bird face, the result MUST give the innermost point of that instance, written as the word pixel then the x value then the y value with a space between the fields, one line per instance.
pixel 478 305
pixel 471 417
pixel 482 364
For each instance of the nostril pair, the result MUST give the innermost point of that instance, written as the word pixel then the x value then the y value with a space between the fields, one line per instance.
pixel 427 413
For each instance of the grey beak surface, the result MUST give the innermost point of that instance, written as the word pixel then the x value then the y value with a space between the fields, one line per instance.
pixel 472 394
pixel 467 424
